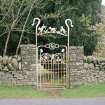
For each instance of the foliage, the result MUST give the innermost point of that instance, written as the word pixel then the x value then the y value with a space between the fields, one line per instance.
pixel 16 18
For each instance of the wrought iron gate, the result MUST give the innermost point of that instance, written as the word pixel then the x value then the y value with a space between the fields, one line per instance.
pixel 52 59
pixel 52 66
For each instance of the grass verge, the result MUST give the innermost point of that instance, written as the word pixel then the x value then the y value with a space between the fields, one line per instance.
pixel 21 92
pixel 29 92
pixel 85 91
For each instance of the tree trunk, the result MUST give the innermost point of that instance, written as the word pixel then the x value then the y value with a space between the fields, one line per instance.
pixel 17 50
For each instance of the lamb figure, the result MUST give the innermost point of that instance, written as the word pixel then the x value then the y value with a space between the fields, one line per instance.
pixel 41 29
pixel 62 30
pixel 53 30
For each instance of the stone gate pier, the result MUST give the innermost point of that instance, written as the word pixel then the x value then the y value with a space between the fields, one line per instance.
pixel 76 66
pixel 28 57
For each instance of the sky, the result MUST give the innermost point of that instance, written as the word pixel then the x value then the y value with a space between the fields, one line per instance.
pixel 103 2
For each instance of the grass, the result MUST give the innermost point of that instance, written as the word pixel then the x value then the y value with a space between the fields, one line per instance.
pixel 29 92
pixel 21 92
pixel 85 91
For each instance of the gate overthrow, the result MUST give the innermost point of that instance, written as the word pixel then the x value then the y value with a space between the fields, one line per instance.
pixel 52 60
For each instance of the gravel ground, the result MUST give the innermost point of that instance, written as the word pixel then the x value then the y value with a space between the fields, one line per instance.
pixel 87 101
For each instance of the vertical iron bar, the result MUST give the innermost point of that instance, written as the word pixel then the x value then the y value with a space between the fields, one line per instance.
pixel 36 34
pixel 40 71
pixel 65 67
pixel 58 70
pixel 68 50
pixel 62 60
pixel 51 71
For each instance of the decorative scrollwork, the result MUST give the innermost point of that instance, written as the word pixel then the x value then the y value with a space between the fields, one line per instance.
pixel 51 30
pixel 46 57
pixel 52 46
pixel 49 57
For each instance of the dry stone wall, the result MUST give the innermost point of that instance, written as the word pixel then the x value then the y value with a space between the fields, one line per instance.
pixel 84 70
pixel 22 72
pixel 10 69
pixel 81 70
pixel 94 70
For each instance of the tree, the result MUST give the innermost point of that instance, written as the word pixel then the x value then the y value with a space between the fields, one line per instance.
pixel 15 23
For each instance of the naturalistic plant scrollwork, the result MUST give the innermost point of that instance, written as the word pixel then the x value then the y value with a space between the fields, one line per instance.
pixel 56 57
